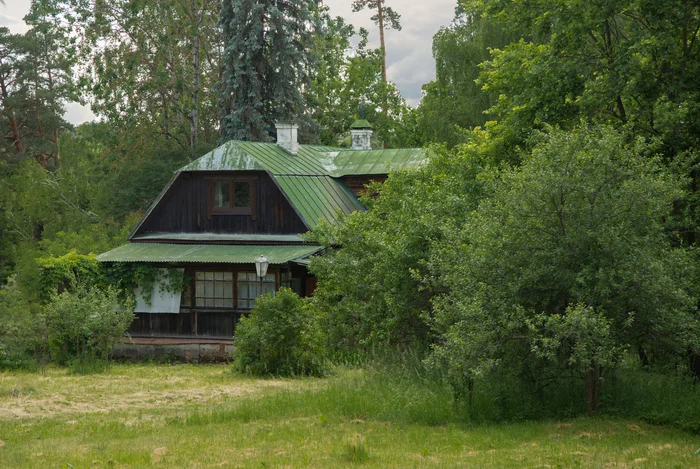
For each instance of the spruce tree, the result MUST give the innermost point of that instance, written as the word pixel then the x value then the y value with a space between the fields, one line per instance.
pixel 266 57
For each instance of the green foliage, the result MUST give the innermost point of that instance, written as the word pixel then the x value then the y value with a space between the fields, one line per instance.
pixel 454 100
pixel 67 272
pixel 630 63
pixel 282 336
pixel 128 276
pixel 567 264
pixel 390 18
pixel 346 77
pixel 378 300
pixel 85 325
pixel 36 81
pixel 580 336
pixel 20 329
pixel 266 61
pixel 151 67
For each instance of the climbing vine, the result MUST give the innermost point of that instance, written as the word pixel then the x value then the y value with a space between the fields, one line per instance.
pixel 65 273
pixel 128 276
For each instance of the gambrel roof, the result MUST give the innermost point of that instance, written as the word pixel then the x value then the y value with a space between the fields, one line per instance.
pixel 311 180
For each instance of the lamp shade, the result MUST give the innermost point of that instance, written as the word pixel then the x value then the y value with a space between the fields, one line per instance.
pixel 261 265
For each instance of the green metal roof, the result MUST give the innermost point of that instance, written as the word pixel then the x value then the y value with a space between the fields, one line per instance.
pixel 318 197
pixel 353 162
pixel 311 160
pixel 361 124
pixel 254 156
pixel 205 253
pixel 222 237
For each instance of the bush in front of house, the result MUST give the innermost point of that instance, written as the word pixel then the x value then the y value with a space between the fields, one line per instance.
pixel 84 325
pixel 282 336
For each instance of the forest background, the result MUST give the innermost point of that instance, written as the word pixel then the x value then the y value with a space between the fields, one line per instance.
pixel 550 238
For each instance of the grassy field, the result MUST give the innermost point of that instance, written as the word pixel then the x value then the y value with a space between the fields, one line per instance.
pixel 189 416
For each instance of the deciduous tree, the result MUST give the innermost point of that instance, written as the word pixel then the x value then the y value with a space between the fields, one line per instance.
pixel 567 265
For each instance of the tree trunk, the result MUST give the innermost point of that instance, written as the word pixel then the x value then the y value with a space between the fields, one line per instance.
pixel 194 125
pixel 592 390
pixel 380 15
pixel 14 128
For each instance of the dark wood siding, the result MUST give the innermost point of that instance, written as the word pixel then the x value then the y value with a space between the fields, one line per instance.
pixel 191 324
pixel 184 209
pixel 357 183
pixel 192 321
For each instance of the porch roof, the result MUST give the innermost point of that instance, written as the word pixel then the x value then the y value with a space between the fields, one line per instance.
pixel 206 253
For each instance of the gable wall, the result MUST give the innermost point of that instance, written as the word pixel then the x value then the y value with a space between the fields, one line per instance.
pixel 184 209
pixel 357 183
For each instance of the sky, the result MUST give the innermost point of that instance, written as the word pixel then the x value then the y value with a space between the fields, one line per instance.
pixel 409 52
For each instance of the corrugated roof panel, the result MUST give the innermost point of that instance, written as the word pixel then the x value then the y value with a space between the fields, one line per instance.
pixel 227 157
pixel 318 197
pixel 351 162
pixel 219 237
pixel 278 161
pixel 310 204
pixel 312 160
pixel 252 156
pixel 206 253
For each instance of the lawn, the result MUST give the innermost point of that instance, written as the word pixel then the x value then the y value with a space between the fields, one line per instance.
pixel 191 416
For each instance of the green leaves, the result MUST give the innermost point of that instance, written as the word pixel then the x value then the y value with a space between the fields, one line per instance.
pixel 569 248
pixel 282 336
pixel 86 324
pixel 266 60
pixel 582 337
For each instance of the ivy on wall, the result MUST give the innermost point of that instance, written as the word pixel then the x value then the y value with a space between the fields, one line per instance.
pixel 128 276
pixel 66 272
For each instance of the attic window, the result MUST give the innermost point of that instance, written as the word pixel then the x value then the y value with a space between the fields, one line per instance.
pixel 231 196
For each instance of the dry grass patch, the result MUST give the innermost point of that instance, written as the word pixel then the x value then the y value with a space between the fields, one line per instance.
pixel 58 393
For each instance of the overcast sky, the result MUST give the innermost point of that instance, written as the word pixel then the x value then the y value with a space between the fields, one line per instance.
pixel 409 51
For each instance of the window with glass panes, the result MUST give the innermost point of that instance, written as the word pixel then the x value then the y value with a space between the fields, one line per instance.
pixel 231 196
pixel 250 287
pixel 214 289
pixel 286 280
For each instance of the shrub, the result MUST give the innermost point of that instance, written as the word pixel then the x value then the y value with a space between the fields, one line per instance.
pixel 20 329
pixel 281 336
pixel 85 325
pixel 66 272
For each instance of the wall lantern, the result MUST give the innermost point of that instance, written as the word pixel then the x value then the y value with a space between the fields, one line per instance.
pixel 261 265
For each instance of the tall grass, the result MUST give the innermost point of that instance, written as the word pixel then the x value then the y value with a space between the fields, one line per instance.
pixel 657 398
pixel 404 391
pixel 385 391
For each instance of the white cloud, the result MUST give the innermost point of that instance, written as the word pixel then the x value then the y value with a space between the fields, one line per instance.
pixel 12 13
pixel 76 113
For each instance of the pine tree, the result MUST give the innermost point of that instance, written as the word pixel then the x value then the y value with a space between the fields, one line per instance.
pixel 385 18
pixel 266 57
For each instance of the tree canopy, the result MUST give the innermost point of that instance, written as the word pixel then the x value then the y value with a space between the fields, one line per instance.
pixel 266 60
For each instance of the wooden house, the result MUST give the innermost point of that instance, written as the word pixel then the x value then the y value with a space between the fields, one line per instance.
pixel 238 202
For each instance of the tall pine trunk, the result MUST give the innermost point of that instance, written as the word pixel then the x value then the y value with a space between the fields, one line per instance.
pixel 194 121
pixel 380 16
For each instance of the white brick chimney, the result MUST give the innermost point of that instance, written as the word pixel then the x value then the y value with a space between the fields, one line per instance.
pixel 361 132
pixel 287 136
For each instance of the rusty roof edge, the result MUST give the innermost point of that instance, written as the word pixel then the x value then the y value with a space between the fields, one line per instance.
pixel 154 204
